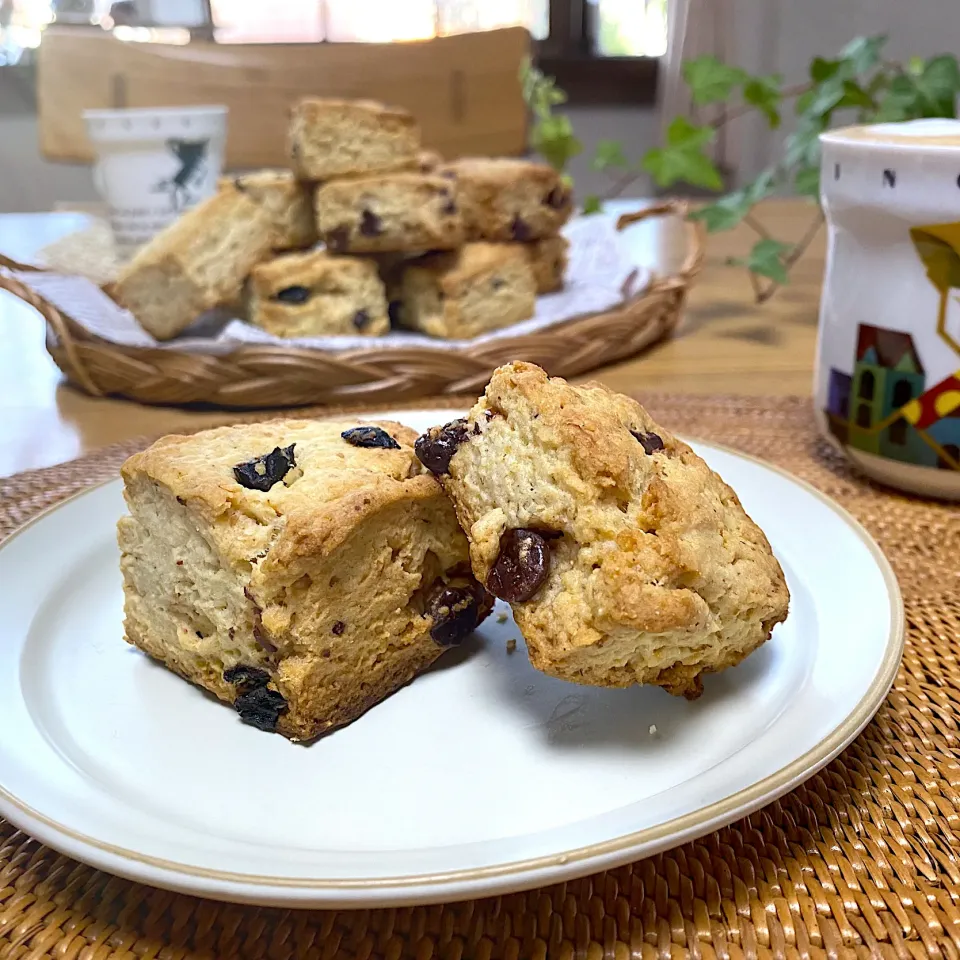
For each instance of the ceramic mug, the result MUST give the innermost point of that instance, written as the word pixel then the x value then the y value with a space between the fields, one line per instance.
pixel 887 386
pixel 154 163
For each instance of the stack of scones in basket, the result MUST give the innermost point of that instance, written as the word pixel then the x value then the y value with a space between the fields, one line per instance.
pixel 366 232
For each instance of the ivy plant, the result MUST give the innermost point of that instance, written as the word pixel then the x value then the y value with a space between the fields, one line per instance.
pixel 858 85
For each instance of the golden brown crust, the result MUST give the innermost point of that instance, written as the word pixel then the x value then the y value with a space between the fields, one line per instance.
pixel 505 199
pixel 656 574
pixel 195 264
pixel 548 260
pixel 318 294
pixel 288 202
pixel 321 584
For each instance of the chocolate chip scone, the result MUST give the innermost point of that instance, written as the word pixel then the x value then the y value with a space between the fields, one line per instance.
pixel 317 294
pixel 344 138
pixel 478 288
pixel 626 559
pixel 548 260
pixel 300 570
pixel 288 201
pixel 507 199
pixel 199 262
pixel 395 212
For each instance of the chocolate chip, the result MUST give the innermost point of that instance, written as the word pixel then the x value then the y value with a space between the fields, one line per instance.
pixel 498 283
pixel 260 707
pixel 393 312
pixel 262 473
pixel 337 239
pixel 649 441
pixel 360 319
pixel 338 628
pixel 294 151
pixel 293 295
pixel 240 185
pixel 435 449
pixel 449 174
pixel 370 224
pixel 476 429
pixel 246 677
pixel 520 230
pixel 557 198
pixel 521 566
pixel 370 437
pixel 455 611
pixel 450 207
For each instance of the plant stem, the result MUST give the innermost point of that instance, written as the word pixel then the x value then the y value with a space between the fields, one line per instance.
pixel 757 226
pixel 621 184
pixel 763 294
pixel 745 108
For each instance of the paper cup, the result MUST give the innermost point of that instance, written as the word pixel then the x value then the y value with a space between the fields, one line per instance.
pixel 153 164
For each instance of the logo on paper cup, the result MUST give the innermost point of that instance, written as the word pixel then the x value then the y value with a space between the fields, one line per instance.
pixel 192 158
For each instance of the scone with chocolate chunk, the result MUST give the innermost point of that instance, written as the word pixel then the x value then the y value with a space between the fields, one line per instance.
pixel 288 201
pixel 346 138
pixel 478 288
pixel 507 199
pixel 626 559
pixel 198 262
pixel 396 212
pixel 300 570
pixel 548 260
pixel 317 294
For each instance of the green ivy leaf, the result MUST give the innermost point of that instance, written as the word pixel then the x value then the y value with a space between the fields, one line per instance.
pixel 729 211
pixel 802 147
pixel 862 54
pixel 609 154
pixel 821 70
pixel 939 84
pixel 682 157
pixel 710 80
pixel 806 182
pixel 554 139
pixel 765 94
pixel 592 204
pixel 766 259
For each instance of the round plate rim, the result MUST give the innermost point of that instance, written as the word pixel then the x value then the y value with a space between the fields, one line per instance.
pixel 503 877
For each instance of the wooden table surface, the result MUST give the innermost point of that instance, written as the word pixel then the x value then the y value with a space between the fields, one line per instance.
pixel 725 344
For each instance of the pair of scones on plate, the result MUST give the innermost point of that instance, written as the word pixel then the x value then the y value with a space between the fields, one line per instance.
pixel 304 570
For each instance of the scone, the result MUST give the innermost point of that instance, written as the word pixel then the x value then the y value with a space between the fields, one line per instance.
pixel 478 288
pixel 428 161
pixel 395 212
pixel 507 199
pixel 300 570
pixel 338 138
pixel 195 264
pixel 288 201
pixel 317 294
pixel 548 260
pixel 626 559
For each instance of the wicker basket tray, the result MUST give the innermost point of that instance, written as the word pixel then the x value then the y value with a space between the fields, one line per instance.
pixel 272 376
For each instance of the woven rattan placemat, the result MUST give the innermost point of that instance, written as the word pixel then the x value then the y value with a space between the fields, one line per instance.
pixel 862 860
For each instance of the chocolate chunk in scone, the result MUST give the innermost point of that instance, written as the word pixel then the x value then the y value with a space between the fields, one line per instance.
pixel 506 199
pixel 294 574
pixel 317 294
pixel 625 558
pixel 389 213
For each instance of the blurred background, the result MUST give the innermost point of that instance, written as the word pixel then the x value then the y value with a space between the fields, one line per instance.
pixel 617 59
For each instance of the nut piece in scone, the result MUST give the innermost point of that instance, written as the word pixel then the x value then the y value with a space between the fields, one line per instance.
pixel 478 288
pixel 507 199
pixel 625 558
pixel 288 201
pixel 317 294
pixel 548 259
pixel 300 570
pixel 197 263
pixel 395 212
pixel 336 138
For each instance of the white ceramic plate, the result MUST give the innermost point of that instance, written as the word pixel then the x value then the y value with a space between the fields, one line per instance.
pixel 482 776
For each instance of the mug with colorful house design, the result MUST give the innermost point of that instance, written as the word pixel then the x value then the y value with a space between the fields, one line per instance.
pixel 887 388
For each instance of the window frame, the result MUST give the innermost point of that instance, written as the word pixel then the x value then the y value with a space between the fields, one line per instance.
pixel 569 54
